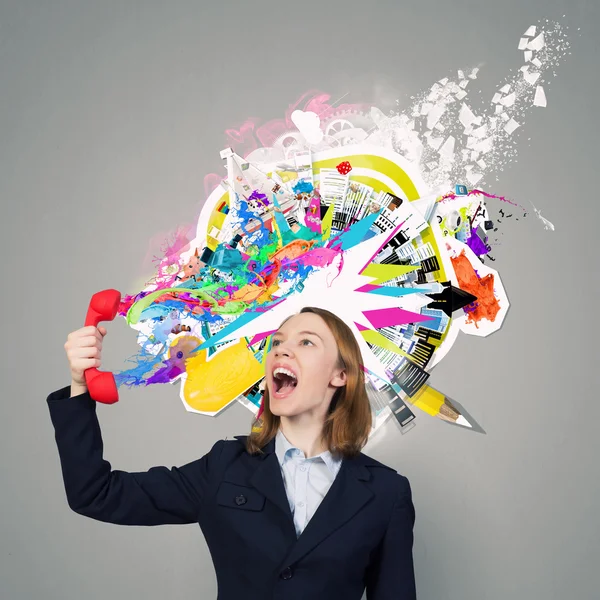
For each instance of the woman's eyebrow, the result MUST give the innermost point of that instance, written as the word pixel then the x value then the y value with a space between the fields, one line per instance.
pixel 279 334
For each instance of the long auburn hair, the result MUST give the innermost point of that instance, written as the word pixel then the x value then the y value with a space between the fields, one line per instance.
pixel 348 423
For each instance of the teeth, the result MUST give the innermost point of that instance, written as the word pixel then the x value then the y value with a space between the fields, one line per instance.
pixel 280 370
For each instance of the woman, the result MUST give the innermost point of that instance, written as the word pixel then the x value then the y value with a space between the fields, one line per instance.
pixel 292 511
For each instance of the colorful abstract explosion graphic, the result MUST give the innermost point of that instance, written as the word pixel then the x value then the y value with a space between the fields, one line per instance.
pixel 380 218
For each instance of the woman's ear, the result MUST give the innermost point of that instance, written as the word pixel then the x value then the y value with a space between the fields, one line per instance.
pixel 340 378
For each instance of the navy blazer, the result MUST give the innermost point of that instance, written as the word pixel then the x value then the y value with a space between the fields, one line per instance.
pixel 360 536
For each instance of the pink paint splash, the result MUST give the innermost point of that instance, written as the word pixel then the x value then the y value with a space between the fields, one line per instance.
pixel 453 196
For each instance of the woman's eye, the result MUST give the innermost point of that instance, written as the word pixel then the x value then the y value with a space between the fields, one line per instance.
pixel 306 340
pixel 275 343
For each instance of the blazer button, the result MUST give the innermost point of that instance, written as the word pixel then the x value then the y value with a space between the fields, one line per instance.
pixel 241 499
pixel 286 573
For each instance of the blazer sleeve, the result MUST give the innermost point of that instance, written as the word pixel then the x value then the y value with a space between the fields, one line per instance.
pixel 390 575
pixel 158 496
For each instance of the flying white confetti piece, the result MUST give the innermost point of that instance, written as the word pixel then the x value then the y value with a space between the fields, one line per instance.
pixel 435 142
pixel 528 54
pixel 427 106
pixel 482 164
pixel 504 117
pixel 474 178
pixel 497 97
pixel 511 126
pixel 537 43
pixel 505 89
pixel 499 109
pixel 473 73
pixel 531 78
pixel 460 95
pixel 523 43
pixel 464 83
pixel 434 115
pixel 508 100
pixel 466 116
pixel 536 62
pixel 447 150
pixel 540 96
pixel 461 74
pixel 531 31
pixel 547 224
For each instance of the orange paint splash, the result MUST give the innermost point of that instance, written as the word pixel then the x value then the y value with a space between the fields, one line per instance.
pixel 487 305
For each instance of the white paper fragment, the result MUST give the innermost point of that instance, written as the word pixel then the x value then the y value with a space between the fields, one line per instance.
pixel 464 83
pixel 523 43
pixel 482 164
pixel 427 106
pixel 473 73
pixel 435 142
pixel 499 108
pixel 480 132
pixel 439 127
pixel 531 31
pixel 473 177
pixel 485 146
pixel 537 43
pixel 531 78
pixel 460 95
pixel 505 89
pixel 539 98
pixel 461 74
pixel 434 114
pixel 537 62
pixel 444 81
pixel 528 54
pixel 497 97
pixel 447 150
pixel 547 224
pixel 466 116
pixel 508 100
pixel 432 164
pixel 504 117
pixel 511 126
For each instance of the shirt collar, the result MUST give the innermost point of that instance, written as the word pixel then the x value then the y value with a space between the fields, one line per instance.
pixel 284 450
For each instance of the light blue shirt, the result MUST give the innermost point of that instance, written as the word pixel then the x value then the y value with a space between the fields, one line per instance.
pixel 306 480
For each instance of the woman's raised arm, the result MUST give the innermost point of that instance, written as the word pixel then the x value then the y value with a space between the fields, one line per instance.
pixel 158 496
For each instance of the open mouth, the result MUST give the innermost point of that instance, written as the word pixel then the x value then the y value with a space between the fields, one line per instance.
pixel 284 382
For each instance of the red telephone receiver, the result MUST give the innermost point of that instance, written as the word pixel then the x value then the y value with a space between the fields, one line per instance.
pixel 101 384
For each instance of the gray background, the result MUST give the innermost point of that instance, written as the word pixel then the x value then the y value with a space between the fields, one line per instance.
pixel 112 113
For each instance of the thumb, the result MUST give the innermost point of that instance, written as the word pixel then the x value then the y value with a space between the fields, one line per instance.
pixel 102 330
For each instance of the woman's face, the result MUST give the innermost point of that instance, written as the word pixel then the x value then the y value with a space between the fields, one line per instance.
pixel 301 368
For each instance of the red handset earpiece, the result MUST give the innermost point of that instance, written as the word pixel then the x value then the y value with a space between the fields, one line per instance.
pixel 101 384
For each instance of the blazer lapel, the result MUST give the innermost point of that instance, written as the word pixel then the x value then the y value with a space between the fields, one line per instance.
pixel 346 496
pixel 267 479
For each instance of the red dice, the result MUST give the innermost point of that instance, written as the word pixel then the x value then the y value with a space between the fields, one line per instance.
pixel 344 168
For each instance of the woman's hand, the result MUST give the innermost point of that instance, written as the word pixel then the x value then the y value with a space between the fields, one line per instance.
pixel 84 351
